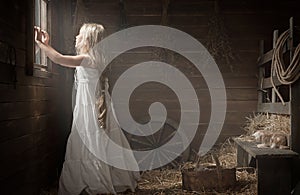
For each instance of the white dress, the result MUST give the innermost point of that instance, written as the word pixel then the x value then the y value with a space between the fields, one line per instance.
pixel 82 168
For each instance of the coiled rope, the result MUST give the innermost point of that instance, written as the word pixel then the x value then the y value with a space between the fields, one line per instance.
pixel 289 75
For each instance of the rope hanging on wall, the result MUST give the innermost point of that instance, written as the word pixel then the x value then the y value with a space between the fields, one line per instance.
pixel 287 75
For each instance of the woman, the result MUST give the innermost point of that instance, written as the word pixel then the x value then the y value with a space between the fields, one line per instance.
pixel 83 171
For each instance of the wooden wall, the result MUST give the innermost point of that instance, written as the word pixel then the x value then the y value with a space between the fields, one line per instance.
pixel 35 116
pixel 243 24
pixel 33 126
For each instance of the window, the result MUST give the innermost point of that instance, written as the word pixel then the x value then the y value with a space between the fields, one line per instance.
pixel 40 19
pixel 38 14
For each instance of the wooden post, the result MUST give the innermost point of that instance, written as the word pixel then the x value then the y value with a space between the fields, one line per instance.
pixel 295 114
pixel 242 157
pixel 261 72
pixel 124 23
pixel 275 38
pixel 291 39
pixel 165 7
pixel 29 37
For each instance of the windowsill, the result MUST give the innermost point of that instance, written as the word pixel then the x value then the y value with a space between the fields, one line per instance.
pixel 41 71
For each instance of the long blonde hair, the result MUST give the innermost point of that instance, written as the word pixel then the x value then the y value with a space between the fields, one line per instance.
pixel 92 34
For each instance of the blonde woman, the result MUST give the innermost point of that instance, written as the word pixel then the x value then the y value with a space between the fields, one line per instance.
pixel 83 171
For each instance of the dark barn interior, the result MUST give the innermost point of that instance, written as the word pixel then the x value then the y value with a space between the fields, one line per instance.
pixel 36 99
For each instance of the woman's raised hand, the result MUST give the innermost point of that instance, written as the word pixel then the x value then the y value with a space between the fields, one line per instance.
pixel 41 36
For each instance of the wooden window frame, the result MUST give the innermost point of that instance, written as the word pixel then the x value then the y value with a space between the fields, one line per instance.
pixel 32 68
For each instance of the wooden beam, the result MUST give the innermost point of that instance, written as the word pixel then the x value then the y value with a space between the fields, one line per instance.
pixel 265 58
pixel 276 108
pixel 266 83
pixel 261 72
pixel 165 7
pixel 259 153
pixel 124 22
pixel 273 74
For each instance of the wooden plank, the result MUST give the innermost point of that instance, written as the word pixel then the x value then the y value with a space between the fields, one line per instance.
pixel 255 19
pixel 20 59
pixel 143 20
pixel 25 80
pixel 134 57
pixel 203 94
pixel 12 129
pixel 14 18
pixel 143 3
pixel 26 93
pixel 16 39
pixel 106 20
pixel 8 74
pixel 266 83
pixel 252 7
pixel 35 175
pixel 244 44
pixel 103 8
pixel 263 153
pixel 276 108
pixel 231 117
pixel 265 58
pixel 232 105
pixel 18 110
pixel 188 20
pixel 30 150
pixel 115 71
pixel 192 8
pixel 260 32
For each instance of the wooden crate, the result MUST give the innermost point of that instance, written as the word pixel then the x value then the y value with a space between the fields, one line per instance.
pixel 216 178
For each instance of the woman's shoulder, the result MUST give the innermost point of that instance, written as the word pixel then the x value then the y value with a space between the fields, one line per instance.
pixel 88 62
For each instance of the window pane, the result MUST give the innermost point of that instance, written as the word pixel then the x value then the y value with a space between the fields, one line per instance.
pixel 37 55
pixel 43 26
pixel 37 13
pixel 43 14
pixel 40 20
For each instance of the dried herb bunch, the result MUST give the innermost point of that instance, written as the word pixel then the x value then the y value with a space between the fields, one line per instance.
pixel 218 42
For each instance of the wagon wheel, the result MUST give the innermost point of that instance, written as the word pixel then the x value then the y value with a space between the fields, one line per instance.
pixel 159 138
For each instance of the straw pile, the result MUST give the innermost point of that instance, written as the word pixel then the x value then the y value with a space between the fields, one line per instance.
pixel 271 122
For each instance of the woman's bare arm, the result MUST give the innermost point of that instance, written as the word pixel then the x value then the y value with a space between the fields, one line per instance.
pixel 58 58
pixel 42 40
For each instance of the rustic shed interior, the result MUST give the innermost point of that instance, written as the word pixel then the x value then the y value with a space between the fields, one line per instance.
pixel 36 101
